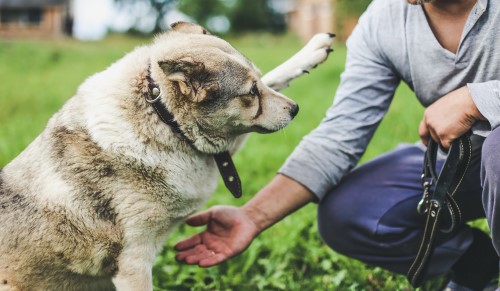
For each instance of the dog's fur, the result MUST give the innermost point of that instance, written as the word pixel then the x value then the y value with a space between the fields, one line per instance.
pixel 89 203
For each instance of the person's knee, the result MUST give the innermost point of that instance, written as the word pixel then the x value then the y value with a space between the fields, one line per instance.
pixel 361 226
pixel 490 159
pixel 490 182
pixel 330 229
pixel 337 224
pixel 377 191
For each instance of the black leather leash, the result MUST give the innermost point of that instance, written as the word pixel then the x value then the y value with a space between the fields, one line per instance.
pixel 223 160
pixel 440 198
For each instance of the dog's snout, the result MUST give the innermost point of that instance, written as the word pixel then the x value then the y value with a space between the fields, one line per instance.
pixel 294 110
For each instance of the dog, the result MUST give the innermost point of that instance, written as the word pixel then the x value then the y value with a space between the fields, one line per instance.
pixel 89 203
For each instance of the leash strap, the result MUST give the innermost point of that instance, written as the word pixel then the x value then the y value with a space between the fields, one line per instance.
pixel 223 160
pixel 441 197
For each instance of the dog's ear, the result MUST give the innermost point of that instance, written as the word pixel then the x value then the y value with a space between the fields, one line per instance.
pixel 192 78
pixel 188 27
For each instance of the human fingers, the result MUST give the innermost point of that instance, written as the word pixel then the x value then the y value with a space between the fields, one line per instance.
pixel 199 219
pixel 444 140
pixel 423 132
pixel 433 135
pixel 181 256
pixel 197 257
pixel 446 143
pixel 192 252
pixel 188 243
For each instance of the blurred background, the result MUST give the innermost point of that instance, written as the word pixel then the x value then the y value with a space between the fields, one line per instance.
pixel 93 19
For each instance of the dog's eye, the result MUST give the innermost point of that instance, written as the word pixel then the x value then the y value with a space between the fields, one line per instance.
pixel 254 91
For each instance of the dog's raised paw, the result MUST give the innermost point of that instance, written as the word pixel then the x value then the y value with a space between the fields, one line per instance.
pixel 319 47
pixel 315 52
pixel 320 40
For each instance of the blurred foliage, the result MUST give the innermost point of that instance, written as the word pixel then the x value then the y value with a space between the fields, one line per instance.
pixel 202 11
pixel 351 7
pixel 250 15
pixel 244 15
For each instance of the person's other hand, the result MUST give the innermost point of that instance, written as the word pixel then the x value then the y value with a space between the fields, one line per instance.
pixel 449 118
pixel 229 232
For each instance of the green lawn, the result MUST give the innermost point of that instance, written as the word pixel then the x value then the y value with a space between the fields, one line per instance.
pixel 37 77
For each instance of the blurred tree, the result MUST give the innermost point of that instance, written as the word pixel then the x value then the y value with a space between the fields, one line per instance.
pixel 243 15
pixel 251 15
pixel 238 15
pixel 202 11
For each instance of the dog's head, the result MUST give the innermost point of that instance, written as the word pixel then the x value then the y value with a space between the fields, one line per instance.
pixel 212 90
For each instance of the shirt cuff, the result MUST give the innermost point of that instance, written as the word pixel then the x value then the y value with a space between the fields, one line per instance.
pixel 486 96
pixel 304 174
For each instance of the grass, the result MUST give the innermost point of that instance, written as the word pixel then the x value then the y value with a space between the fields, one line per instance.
pixel 37 77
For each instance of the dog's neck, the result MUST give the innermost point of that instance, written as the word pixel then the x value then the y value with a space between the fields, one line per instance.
pixel 223 159
pixel 153 97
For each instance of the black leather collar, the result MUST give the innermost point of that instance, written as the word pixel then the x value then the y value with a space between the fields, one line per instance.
pixel 223 160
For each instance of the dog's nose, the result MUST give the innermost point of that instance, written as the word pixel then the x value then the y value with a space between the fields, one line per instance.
pixel 294 110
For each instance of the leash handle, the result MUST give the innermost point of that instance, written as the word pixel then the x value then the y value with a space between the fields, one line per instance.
pixel 435 200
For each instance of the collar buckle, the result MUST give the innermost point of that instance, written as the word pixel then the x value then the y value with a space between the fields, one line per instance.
pixel 156 93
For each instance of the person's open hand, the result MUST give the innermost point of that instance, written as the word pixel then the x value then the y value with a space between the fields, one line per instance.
pixel 229 232
pixel 449 118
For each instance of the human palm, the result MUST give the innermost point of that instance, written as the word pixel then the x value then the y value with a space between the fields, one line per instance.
pixel 229 231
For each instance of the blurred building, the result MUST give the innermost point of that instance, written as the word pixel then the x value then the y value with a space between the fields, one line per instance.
pixel 308 17
pixel 35 18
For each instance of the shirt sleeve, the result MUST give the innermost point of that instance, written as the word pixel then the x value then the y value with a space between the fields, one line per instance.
pixel 486 96
pixel 365 92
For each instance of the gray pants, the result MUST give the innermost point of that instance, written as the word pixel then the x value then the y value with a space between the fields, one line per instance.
pixel 371 215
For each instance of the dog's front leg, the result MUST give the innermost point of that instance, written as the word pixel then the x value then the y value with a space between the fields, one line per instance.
pixel 312 54
pixel 133 278
pixel 134 273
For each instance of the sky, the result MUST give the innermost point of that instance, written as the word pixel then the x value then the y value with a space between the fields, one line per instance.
pixel 93 18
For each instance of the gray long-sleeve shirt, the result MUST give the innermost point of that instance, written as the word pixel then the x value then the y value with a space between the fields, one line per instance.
pixel 393 42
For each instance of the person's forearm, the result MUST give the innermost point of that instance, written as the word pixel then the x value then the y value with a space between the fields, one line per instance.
pixel 276 200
